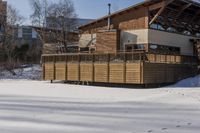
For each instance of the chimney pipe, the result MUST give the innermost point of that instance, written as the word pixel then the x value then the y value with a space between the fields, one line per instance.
pixel 109 19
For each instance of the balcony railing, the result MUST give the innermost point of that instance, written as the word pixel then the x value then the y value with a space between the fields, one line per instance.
pixel 121 57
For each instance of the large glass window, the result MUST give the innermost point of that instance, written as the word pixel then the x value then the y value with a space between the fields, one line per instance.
pixel 161 49
pixel 134 47
pixel 27 30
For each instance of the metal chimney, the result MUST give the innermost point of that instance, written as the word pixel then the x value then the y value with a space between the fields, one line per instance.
pixel 109 13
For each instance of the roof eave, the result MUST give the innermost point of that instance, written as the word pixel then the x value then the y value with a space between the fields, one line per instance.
pixel 119 12
pixel 146 2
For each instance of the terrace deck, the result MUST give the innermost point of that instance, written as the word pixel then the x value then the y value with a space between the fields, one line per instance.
pixel 122 68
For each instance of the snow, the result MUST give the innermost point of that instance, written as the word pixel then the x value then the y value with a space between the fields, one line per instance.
pixel 33 106
pixel 40 107
pixel 190 82
pixel 29 73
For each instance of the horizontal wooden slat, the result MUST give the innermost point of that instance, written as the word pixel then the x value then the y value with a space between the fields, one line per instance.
pixel 86 72
pixel 170 69
pixel 73 71
pixel 101 72
pixel 158 73
pixel 116 72
pixel 49 71
pixel 60 71
pixel 133 73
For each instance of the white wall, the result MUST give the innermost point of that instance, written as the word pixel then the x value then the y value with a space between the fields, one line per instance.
pixel 171 39
pixel 86 39
pixel 151 36
pixel 134 37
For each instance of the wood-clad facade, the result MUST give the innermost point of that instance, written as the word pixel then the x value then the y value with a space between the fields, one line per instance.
pixel 108 40
pixel 154 42
pixel 122 68
pixel 150 24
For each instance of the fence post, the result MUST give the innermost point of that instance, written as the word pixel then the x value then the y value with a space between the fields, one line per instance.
pixel 43 67
pixel 54 68
pixel 66 68
pixel 124 54
pixel 108 71
pixel 141 66
pixel 93 60
pixel 79 68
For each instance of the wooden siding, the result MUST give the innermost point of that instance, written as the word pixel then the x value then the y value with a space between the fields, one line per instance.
pixel 73 72
pixel 133 73
pixel 134 69
pixel 159 73
pixel 107 41
pixel 60 71
pixel 116 73
pixel 86 72
pixel 101 72
pixel 49 71
pixel 134 19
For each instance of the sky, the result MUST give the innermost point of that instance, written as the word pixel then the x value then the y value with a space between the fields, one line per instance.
pixel 90 9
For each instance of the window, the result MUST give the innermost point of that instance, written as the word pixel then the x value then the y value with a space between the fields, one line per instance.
pixel 161 49
pixel 27 30
pixel 129 48
pixel 134 47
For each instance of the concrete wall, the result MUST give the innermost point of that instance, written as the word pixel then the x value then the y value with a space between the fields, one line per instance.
pixel 134 37
pixel 150 36
pixel 171 39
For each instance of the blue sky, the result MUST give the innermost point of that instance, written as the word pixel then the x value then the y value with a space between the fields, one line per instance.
pixel 84 8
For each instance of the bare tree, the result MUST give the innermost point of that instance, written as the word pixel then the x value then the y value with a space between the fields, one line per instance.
pixel 62 17
pixel 38 16
pixel 58 15
pixel 13 20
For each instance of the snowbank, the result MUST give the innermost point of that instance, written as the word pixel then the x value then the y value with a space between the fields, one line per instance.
pixel 190 82
pixel 30 73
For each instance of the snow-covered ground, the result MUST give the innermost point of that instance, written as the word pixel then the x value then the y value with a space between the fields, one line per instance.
pixel 29 73
pixel 190 82
pixel 28 106
pixel 40 107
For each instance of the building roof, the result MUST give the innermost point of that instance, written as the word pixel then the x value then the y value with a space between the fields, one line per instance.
pixel 146 2
pixel 175 7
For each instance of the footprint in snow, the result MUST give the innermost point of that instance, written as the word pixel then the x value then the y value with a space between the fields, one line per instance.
pixel 164 128
pixel 178 126
pixel 189 124
pixel 150 131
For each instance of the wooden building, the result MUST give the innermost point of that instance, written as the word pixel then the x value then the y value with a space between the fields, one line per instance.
pixel 153 42
pixel 156 26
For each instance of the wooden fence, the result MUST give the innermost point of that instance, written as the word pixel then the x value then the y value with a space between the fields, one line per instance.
pixel 123 68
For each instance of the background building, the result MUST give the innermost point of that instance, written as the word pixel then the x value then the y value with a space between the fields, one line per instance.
pixel 3 12
pixel 26 35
